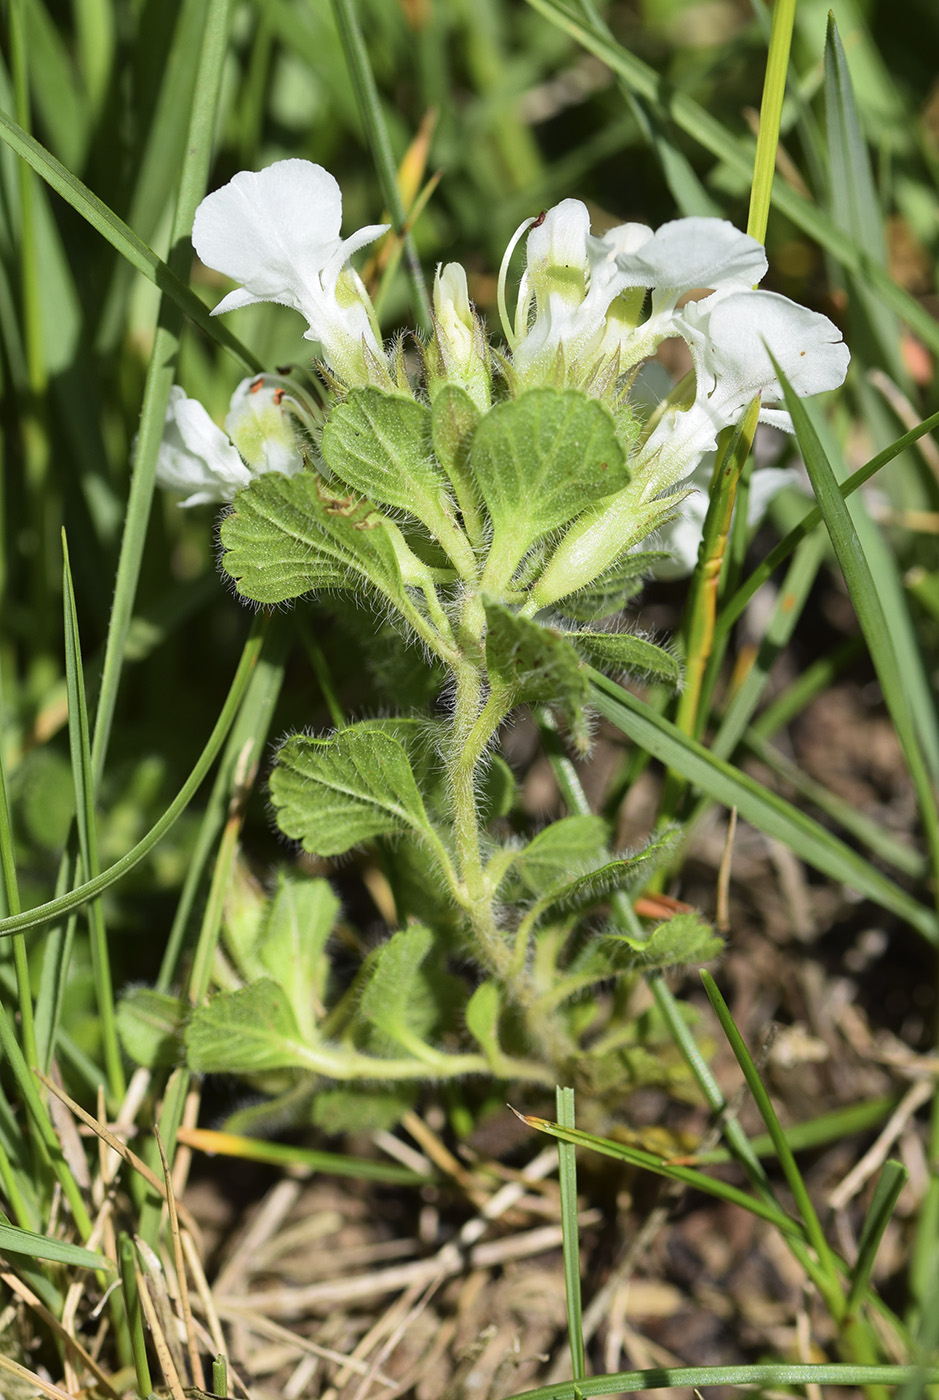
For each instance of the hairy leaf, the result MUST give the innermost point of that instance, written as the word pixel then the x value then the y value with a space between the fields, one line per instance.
pixel 533 662
pixel 685 938
pixel 333 793
pixel 566 847
pixel 620 651
pixel 150 1025
pixel 540 460
pixel 286 536
pixel 292 948
pixel 245 1032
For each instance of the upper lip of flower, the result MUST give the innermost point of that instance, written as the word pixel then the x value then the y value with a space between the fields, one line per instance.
pixel 276 231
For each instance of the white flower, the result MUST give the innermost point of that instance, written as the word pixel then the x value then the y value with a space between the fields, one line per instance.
pixel 572 277
pixel 198 459
pixel 277 232
pixel 732 335
pixel 459 351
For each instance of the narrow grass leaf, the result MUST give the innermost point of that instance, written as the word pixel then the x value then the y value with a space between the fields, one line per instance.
pixel 16 1241
pixel 121 237
pixel 161 369
pixel 74 899
pixel 567 1177
pixel 890 1183
pixel 865 595
pixel 282 1154
pixel 787 1161
pixel 636 1157
pixel 854 203
pixel 766 811
pixel 773 1375
pixel 767 140
pixel 735 605
pixel 84 783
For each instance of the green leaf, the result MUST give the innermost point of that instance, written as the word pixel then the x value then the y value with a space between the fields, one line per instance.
pixel 532 662
pixel 150 1025
pixel 540 460
pixel 331 794
pixel 292 948
pixel 245 1032
pixel 890 1183
pixel 767 812
pixel 483 1012
pixel 620 651
pixel 454 419
pixel 379 444
pixel 855 206
pixel 13 1240
pixel 867 595
pixel 565 847
pixel 397 998
pixel 286 537
pixel 355 1110
pixel 613 590
pixel 684 939
pixel 596 885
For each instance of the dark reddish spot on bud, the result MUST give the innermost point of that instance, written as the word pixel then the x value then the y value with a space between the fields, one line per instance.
pixel 256 385
pixel 278 395
pixel 540 219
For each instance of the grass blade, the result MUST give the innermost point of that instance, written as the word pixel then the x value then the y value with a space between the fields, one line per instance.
pixel 122 238
pixel 865 595
pixel 160 372
pixel 636 1157
pixel 767 139
pixel 80 746
pixel 834 1297
pixel 767 1374
pixel 16 1241
pixel 74 899
pixel 771 814
pixel 890 1183
pixel 567 1176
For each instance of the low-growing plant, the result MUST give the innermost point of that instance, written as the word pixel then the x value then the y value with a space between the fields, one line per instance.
pixel 496 507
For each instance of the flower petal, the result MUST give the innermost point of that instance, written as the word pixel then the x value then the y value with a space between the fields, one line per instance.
pixel 696 252
pixel 195 455
pixel 733 336
pixel 262 429
pixel 273 230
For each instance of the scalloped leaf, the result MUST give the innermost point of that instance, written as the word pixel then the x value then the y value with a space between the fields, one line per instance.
pixel 540 460
pixel 150 1024
pixel 333 793
pixel 621 651
pixel 596 885
pixel 397 998
pixel 564 848
pixel 245 1032
pixel 532 662
pixel 685 938
pixel 285 537
pixel 380 445
pixel 292 946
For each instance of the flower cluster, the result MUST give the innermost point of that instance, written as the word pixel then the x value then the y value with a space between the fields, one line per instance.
pixel 589 310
